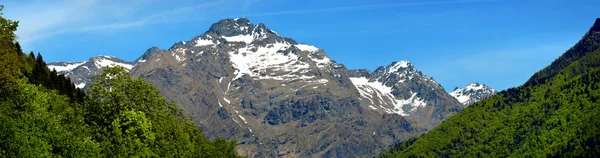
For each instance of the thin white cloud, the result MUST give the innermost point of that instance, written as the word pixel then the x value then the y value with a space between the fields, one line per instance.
pixel 363 7
pixel 41 19
pixel 36 17
pixel 162 17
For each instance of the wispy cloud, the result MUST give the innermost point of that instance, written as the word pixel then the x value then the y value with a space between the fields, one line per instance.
pixel 363 7
pixel 37 17
pixel 161 17
pixel 40 19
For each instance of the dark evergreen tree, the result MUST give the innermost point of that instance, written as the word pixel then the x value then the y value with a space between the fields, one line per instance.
pixel 31 55
pixel 19 50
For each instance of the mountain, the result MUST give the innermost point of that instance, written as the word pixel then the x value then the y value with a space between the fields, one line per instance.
pixel 554 114
pixel 399 88
pixel 281 98
pixel 472 93
pixel 83 72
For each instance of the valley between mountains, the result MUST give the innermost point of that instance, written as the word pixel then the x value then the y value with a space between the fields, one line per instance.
pixel 281 98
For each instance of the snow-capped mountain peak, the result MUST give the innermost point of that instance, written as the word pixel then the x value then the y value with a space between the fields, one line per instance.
pixel 396 66
pixel 398 88
pixel 253 50
pixel 81 73
pixel 472 93
pixel 235 30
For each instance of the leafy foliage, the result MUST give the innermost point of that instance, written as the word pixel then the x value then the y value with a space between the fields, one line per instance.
pixel 133 114
pixel 42 114
pixel 555 114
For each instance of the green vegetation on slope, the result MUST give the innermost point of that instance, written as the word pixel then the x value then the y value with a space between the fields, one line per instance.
pixel 42 114
pixel 555 113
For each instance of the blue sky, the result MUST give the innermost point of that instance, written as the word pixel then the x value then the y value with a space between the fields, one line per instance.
pixel 500 43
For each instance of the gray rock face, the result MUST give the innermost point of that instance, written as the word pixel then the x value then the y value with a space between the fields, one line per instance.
pixel 359 73
pixel 472 93
pixel 279 98
pixel 149 53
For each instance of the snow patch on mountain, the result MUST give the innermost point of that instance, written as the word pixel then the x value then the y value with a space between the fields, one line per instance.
pixel 67 67
pixel 398 65
pixel 103 62
pixel 379 94
pixel 324 61
pixel 203 42
pixel 376 85
pixel 177 53
pixel 461 98
pixel 240 38
pixel 257 63
pixel 306 47
pixel 321 62
pixel 227 100
pixel 474 87
pixel 80 85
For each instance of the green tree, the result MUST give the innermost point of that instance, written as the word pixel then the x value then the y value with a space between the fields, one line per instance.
pixel 35 122
pixel 8 58
pixel 7 27
pixel 133 113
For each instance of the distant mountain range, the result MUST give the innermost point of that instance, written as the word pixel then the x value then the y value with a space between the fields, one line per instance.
pixel 83 72
pixel 281 98
pixel 472 93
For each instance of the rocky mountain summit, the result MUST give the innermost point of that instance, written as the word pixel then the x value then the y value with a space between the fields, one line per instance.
pixel 472 93
pixel 281 98
pixel 401 89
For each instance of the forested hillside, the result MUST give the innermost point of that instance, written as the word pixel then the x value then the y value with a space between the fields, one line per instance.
pixel 42 114
pixel 555 114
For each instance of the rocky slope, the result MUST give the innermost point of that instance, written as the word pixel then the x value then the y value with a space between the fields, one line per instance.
pixel 472 93
pixel 281 98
